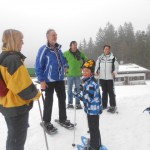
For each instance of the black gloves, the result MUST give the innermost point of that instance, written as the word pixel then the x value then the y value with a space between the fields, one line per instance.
pixel 77 94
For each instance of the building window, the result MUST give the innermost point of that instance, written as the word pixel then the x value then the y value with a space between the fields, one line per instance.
pixel 141 77
pixel 122 79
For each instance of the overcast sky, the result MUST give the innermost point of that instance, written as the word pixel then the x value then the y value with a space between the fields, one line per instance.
pixel 72 19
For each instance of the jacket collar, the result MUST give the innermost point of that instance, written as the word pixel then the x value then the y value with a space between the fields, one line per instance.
pixel 57 46
pixel 110 55
pixel 88 79
pixel 21 56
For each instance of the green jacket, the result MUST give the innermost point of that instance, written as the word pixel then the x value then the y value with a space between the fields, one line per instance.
pixel 75 61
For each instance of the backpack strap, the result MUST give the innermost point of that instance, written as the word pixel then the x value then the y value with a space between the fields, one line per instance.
pixel 113 64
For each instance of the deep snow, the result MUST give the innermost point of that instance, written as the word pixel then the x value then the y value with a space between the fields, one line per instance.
pixel 128 130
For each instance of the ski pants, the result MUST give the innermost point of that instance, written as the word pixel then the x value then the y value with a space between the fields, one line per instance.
pixel 17 131
pixel 95 138
pixel 108 89
pixel 59 87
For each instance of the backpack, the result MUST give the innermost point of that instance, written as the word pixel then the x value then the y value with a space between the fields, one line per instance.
pixel 3 87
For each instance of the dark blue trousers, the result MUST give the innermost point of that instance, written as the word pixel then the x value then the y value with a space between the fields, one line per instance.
pixel 95 137
pixel 59 87
pixel 17 131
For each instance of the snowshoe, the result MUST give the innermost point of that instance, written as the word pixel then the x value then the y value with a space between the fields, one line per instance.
pixel 147 109
pixel 103 147
pixel 85 141
pixel 49 128
pixel 86 145
pixel 82 147
pixel 70 106
pixel 67 124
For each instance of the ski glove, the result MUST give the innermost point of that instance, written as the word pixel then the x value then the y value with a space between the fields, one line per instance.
pixel 77 95
pixel 81 87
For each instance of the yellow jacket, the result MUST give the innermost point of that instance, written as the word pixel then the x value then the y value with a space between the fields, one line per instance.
pixel 22 91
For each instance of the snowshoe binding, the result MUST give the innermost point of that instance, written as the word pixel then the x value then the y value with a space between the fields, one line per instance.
pixel 85 143
pixel 49 128
pixel 82 147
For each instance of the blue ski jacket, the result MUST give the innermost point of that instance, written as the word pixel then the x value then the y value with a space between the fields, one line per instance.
pixel 50 64
pixel 91 96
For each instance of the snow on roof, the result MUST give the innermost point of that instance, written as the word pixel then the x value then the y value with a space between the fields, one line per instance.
pixel 132 68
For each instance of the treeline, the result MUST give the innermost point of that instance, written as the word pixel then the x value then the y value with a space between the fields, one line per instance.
pixel 128 46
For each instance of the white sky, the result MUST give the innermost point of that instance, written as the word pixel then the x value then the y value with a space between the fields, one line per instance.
pixel 72 19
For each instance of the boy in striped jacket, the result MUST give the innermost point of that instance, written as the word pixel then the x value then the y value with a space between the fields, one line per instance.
pixel 92 103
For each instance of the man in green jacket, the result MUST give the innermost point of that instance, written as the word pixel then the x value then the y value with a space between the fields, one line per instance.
pixel 75 59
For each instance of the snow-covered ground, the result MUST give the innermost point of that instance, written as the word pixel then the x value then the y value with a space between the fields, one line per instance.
pixel 128 130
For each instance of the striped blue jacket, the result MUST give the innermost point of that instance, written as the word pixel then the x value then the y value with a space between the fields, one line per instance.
pixel 49 65
pixel 91 96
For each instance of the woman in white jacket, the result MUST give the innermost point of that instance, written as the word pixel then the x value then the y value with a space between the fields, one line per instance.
pixel 107 68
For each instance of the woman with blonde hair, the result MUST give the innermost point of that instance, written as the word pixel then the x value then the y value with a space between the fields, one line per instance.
pixel 15 105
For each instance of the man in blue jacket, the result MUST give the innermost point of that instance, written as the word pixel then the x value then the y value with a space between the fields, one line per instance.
pixel 50 67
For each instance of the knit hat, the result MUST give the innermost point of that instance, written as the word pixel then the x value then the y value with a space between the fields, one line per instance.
pixel 90 64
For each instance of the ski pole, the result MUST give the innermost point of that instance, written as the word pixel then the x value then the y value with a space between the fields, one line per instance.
pixel 73 144
pixel 42 96
pixel 75 90
pixel 88 131
pixel 43 128
pixel 42 121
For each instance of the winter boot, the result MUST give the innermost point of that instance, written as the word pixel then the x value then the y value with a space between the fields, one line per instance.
pixel 70 106
pixel 104 107
pixel 66 124
pixel 78 106
pixel 112 109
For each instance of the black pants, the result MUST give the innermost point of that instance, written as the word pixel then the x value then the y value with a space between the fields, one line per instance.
pixel 59 87
pixel 108 89
pixel 95 138
pixel 17 131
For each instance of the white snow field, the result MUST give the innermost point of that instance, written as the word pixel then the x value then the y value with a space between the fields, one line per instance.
pixel 127 130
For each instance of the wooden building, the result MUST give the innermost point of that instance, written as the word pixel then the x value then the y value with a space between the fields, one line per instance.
pixel 131 74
